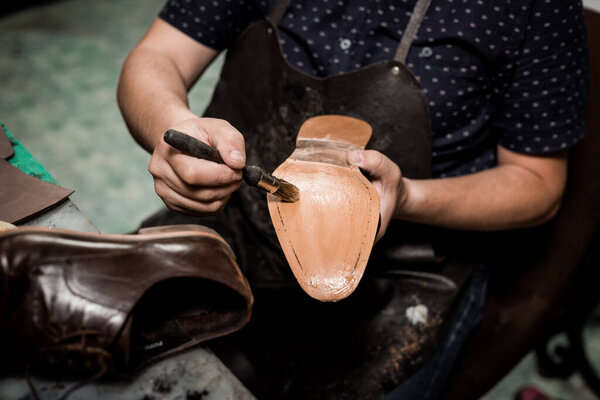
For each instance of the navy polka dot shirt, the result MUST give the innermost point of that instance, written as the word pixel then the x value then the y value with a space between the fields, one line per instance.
pixel 512 73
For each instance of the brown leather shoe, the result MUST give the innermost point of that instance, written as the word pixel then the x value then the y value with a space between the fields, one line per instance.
pixel 115 302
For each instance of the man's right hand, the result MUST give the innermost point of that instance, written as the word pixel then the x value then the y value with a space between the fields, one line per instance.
pixel 194 186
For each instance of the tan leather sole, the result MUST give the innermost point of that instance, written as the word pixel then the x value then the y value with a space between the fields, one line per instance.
pixel 328 234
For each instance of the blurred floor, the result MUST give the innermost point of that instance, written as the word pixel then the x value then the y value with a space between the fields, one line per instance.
pixel 59 66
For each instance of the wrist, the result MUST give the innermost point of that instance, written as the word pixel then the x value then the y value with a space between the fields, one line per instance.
pixel 180 115
pixel 176 116
pixel 170 119
pixel 408 199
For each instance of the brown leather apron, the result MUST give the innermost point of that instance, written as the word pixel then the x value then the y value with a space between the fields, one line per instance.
pixel 294 346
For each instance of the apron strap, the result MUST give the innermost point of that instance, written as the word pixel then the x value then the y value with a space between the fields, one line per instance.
pixel 414 23
pixel 278 10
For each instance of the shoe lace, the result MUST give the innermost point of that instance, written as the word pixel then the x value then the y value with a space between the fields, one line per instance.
pixel 76 342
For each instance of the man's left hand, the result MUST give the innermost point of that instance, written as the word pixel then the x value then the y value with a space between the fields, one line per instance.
pixel 387 180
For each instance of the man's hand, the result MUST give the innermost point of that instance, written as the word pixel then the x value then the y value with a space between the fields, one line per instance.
pixel 387 180
pixel 194 186
pixel 521 191
pixel 152 96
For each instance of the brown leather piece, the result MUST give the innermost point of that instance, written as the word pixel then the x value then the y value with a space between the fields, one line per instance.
pixel 327 235
pixel 80 300
pixel 6 149
pixel 23 196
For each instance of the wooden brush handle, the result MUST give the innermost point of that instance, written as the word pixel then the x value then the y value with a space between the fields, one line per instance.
pixel 192 146
pixel 252 175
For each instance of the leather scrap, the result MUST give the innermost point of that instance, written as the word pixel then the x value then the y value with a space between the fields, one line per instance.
pixel 6 149
pixel 23 196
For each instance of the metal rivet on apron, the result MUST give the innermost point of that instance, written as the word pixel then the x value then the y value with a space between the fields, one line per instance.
pixel 345 44
pixel 269 30
pixel 426 52
pixel 395 70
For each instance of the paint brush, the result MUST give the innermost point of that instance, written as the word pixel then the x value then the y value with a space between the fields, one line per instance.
pixel 252 175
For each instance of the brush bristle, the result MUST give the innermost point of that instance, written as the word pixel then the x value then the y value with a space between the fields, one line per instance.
pixel 287 192
pixel 255 176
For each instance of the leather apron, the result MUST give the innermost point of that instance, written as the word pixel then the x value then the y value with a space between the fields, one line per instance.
pixel 296 347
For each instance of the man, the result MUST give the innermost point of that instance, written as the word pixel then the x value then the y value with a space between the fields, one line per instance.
pixel 505 86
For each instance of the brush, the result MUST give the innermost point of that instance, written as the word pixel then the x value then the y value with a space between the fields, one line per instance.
pixel 252 175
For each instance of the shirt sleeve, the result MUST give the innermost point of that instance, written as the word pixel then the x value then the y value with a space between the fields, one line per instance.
pixel 543 106
pixel 215 23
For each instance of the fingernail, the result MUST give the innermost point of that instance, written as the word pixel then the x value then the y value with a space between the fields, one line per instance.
pixel 355 157
pixel 237 156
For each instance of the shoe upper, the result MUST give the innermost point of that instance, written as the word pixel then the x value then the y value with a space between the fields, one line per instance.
pixel 118 299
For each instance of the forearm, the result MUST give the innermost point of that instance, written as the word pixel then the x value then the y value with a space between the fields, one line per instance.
pixel 505 197
pixel 152 96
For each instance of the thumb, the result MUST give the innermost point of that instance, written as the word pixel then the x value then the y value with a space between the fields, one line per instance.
pixel 228 141
pixel 371 161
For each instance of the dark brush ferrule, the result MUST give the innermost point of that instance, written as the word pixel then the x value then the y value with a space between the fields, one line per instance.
pixel 255 176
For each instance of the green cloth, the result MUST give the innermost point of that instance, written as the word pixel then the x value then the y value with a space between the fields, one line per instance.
pixel 24 161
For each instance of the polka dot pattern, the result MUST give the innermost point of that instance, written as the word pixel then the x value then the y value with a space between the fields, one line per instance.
pixel 511 72
pixel 214 23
